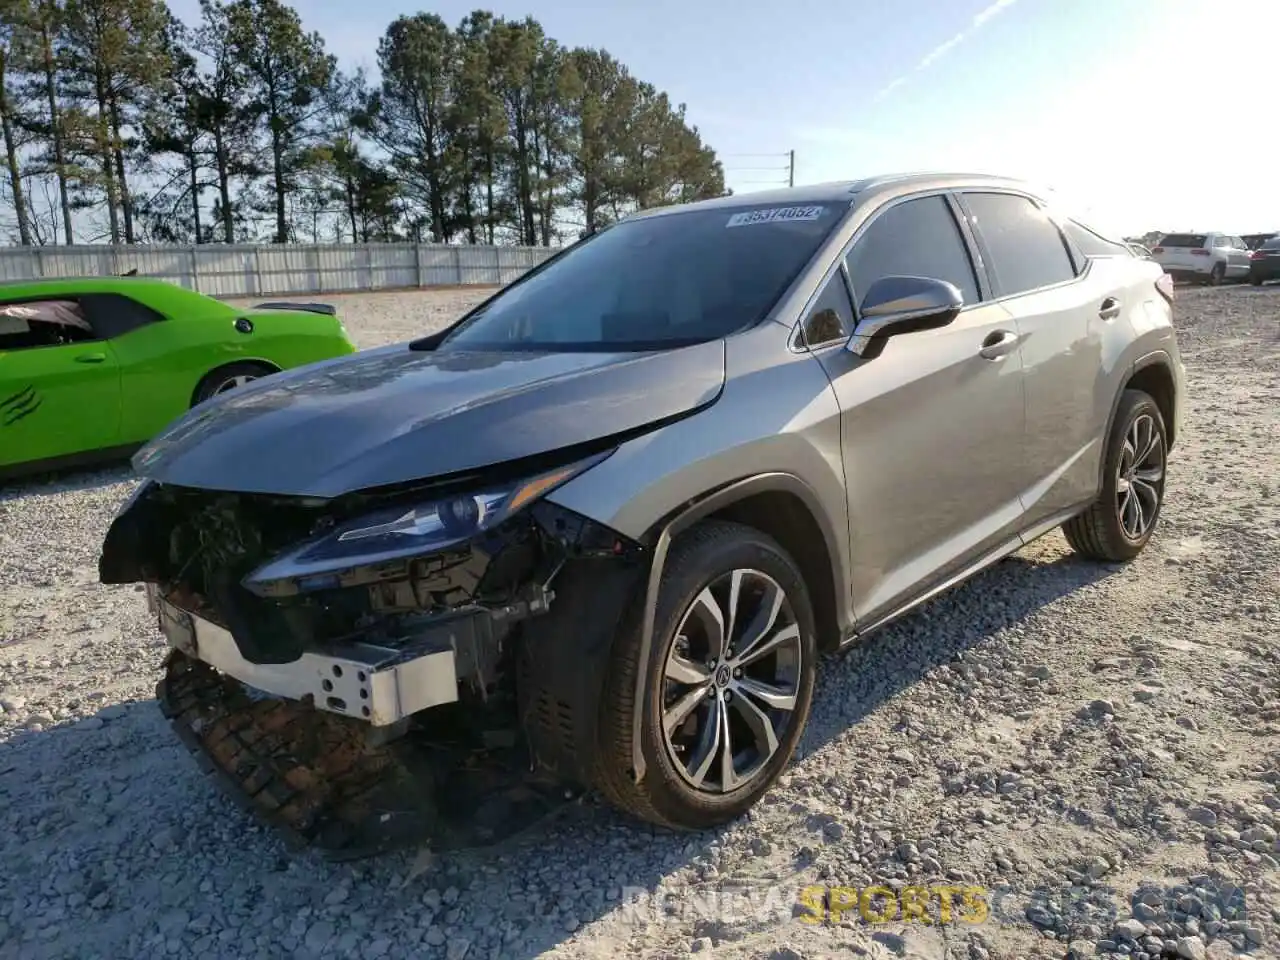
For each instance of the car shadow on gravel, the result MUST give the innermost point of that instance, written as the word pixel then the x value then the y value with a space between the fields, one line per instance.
pixel 118 786
pixel 65 481
pixel 900 655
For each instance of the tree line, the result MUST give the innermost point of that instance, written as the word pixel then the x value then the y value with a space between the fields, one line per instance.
pixel 122 123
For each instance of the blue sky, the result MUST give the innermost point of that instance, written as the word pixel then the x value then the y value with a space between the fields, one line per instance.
pixel 1143 113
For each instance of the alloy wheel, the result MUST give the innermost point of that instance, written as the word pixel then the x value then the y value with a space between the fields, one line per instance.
pixel 731 681
pixel 232 382
pixel 1140 477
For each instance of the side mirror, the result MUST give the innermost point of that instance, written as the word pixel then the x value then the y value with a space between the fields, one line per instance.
pixel 895 305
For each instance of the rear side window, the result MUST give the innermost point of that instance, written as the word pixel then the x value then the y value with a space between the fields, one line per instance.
pixel 1272 244
pixel 1026 249
pixel 1193 240
pixel 114 314
pixel 919 238
pixel 1092 244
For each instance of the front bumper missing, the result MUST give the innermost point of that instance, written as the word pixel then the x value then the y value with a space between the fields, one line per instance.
pixel 379 685
pixel 318 777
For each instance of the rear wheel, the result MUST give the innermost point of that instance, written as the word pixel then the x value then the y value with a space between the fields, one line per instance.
pixel 729 682
pixel 1120 522
pixel 225 379
pixel 1218 274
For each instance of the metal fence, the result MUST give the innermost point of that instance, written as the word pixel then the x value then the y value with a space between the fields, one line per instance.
pixel 274 269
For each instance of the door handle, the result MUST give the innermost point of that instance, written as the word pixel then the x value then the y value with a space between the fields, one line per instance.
pixel 997 344
pixel 1110 309
pixel 91 358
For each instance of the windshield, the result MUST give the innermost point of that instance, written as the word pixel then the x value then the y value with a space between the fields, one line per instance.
pixel 656 283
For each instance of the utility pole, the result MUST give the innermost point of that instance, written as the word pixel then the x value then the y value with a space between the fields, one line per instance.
pixel 791 174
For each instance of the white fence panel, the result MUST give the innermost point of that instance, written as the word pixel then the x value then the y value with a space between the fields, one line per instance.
pixel 244 270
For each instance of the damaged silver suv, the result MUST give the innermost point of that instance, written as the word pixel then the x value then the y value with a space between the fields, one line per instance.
pixel 598 531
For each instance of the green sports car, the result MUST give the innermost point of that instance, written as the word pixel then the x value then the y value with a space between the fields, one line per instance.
pixel 91 368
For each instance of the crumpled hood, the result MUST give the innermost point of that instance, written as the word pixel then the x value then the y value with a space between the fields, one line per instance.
pixel 393 415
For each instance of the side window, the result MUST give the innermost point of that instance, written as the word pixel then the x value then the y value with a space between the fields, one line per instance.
pixel 1221 242
pixel 1026 249
pixel 113 314
pixel 1092 244
pixel 918 238
pixel 43 323
pixel 831 318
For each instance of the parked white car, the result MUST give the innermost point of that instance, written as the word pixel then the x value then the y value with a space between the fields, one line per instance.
pixel 1206 257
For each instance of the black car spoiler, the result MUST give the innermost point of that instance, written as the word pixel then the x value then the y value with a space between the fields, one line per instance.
pixel 325 308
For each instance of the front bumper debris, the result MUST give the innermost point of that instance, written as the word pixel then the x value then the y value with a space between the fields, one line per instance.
pixel 377 684
pixel 326 784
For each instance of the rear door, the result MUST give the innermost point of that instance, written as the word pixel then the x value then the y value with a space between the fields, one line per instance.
pixel 1061 304
pixel 59 383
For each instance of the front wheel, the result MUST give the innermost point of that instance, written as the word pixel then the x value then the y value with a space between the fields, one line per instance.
pixel 1218 274
pixel 729 682
pixel 1120 522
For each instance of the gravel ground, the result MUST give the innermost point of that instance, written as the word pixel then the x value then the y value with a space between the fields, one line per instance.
pixel 1098 748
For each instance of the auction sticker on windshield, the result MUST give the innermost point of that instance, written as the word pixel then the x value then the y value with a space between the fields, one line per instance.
pixel 774 215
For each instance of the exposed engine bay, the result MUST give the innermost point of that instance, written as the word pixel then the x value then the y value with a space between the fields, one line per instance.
pixel 335 661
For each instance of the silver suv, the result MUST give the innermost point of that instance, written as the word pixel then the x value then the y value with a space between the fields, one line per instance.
pixel 627 501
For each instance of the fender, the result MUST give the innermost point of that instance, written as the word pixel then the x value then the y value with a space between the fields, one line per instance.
pixel 1152 359
pixel 681 521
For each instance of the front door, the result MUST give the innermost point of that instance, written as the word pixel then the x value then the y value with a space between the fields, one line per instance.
pixel 933 426
pixel 59 387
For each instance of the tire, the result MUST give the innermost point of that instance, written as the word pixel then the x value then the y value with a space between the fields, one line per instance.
pixel 703 563
pixel 223 379
pixel 1256 281
pixel 1217 275
pixel 1109 530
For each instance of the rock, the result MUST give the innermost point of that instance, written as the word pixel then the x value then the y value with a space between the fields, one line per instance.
pixel 1101 708
pixel 1097 867
pixel 318 936
pixel 457 949
pixel 89 723
pixel 1202 815
pixel 335 896
pixel 164 839
pixel 699 945
pixel 13 705
pixel 435 937
pixel 1130 929
pixel 1191 948
pixel 903 755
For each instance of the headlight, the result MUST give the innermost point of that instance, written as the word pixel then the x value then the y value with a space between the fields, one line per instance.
pixel 398 533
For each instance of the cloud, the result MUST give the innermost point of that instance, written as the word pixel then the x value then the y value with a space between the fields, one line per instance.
pixel 942 49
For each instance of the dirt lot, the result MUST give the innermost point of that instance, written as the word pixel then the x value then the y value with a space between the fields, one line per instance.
pixel 1098 749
